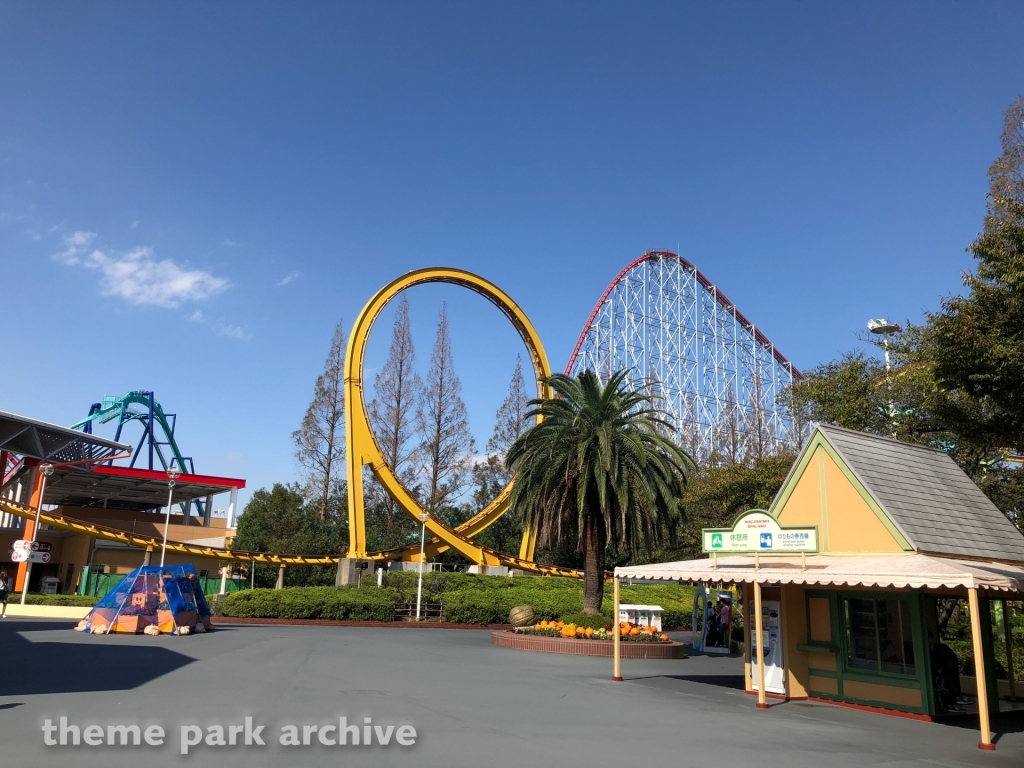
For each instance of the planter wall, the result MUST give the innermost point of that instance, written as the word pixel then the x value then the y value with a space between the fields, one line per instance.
pixel 579 647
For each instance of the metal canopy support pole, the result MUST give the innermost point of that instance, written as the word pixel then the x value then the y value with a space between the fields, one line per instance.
pixel 28 530
pixel 232 504
pixel 617 672
pixel 208 511
pixel 979 672
pixel 759 633
pixel 280 578
pixel 224 579
pixel 1007 630
pixel 44 471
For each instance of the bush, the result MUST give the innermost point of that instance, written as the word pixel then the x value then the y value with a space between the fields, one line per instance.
pixel 467 599
pixel 588 620
pixel 337 603
pixel 77 601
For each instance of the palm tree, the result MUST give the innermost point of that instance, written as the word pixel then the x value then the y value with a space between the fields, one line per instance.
pixel 598 467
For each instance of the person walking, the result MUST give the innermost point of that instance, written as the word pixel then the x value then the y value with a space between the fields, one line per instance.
pixel 4 593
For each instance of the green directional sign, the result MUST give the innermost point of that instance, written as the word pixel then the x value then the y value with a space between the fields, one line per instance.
pixel 757 531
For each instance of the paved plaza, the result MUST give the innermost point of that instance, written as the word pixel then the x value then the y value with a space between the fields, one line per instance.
pixel 472 704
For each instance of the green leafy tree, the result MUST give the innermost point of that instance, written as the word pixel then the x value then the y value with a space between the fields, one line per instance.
pixel 598 469
pixel 978 341
pixel 714 496
pixel 280 521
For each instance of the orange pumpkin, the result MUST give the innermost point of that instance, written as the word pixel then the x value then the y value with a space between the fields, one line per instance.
pixel 589 631
pixel 634 631
pixel 664 638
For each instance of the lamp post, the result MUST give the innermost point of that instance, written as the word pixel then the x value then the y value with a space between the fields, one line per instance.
pixel 45 470
pixel 424 516
pixel 883 328
pixel 172 474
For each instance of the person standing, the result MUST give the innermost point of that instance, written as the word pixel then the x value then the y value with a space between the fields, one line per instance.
pixel 4 593
pixel 725 621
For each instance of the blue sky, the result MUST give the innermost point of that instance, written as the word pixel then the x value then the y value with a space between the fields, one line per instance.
pixel 192 194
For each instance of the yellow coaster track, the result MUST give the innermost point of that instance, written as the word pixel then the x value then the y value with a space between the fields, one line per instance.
pixel 65 523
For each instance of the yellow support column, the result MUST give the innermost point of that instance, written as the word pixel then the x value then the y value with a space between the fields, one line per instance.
pixel 759 633
pixel 1007 630
pixel 617 673
pixel 979 672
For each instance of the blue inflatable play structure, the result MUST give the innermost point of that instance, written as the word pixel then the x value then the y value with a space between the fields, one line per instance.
pixel 153 600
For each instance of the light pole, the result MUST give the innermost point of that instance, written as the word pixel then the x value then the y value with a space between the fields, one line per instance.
pixel 883 328
pixel 172 474
pixel 424 516
pixel 45 470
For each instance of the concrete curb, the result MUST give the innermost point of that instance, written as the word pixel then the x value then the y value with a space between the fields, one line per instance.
pixel 337 623
pixel 48 611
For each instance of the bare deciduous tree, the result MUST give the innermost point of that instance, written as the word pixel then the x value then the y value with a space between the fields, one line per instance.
pixel 320 441
pixel 511 420
pixel 397 392
pixel 443 425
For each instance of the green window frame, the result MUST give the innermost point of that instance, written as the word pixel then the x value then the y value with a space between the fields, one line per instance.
pixel 872 643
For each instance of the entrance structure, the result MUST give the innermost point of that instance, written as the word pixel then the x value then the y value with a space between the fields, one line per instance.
pixel 900 527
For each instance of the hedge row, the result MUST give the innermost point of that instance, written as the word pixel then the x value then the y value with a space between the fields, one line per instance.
pixel 67 600
pixel 467 599
pixel 337 603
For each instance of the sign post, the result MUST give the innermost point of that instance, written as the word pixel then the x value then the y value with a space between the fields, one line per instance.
pixel 23 551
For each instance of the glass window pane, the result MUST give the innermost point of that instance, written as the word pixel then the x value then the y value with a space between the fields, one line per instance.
pixel 860 634
pixel 896 636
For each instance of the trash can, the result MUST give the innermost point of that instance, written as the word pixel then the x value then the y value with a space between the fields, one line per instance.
pixel 50 585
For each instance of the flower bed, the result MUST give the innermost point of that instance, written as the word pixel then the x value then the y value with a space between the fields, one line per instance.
pixel 584 646
pixel 633 633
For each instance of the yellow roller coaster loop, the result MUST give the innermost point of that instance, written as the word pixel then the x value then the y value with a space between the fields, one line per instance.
pixel 362 448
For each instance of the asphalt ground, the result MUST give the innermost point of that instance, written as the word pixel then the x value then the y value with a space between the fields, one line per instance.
pixel 471 703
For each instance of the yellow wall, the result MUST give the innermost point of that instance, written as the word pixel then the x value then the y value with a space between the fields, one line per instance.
pixel 889 694
pixel 852 524
pixel 821 619
pixel 803 507
pixel 826 685
pixel 823 496
pixel 794 633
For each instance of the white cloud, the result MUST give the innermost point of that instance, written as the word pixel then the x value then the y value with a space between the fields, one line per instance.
pixel 234 332
pixel 135 224
pixel 231 244
pixel 76 243
pixel 138 278
pixel 197 316
pixel 289 278
pixel 31 234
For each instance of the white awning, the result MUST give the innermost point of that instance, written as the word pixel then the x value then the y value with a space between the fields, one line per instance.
pixel 914 570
